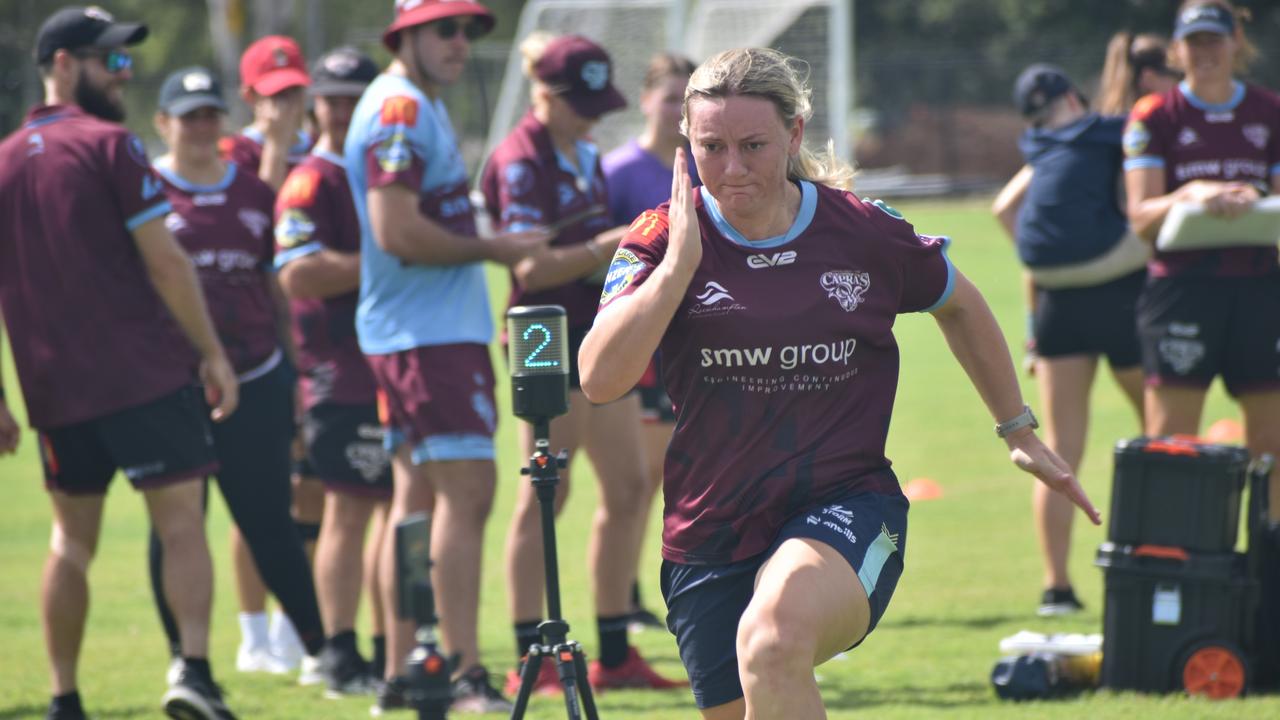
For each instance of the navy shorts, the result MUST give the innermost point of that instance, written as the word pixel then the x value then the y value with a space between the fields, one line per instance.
pixel 346 449
pixel 705 602
pixel 1195 328
pixel 157 443
pixel 1097 320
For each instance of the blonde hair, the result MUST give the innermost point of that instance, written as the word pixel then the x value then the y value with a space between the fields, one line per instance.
pixel 1246 52
pixel 782 80
pixel 531 51
pixel 1127 56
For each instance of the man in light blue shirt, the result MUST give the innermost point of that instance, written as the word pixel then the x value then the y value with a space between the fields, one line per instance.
pixel 424 321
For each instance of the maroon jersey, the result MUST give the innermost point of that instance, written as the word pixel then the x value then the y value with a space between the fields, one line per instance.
pixel 314 212
pixel 527 184
pixel 90 334
pixel 1193 140
pixel 781 364
pixel 245 149
pixel 226 229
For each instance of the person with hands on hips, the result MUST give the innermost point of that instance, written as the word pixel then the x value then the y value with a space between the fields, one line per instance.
pixel 547 173
pixel 782 548
pixel 1214 141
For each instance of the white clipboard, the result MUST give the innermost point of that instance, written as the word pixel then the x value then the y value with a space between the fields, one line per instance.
pixel 1189 227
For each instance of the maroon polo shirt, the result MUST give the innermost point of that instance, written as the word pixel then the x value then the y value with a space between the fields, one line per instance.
pixel 526 185
pixel 226 229
pixel 245 149
pixel 90 335
pixel 781 364
pixel 315 212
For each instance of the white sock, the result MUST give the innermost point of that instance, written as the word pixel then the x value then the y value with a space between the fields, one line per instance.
pixel 253 629
pixel 282 633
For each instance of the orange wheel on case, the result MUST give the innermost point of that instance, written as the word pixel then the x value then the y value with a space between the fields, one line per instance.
pixel 1215 671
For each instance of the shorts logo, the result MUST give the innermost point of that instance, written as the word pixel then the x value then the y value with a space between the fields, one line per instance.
pixel 519 178
pixel 595 73
pixel 1136 138
pixel 1181 355
pixel 622 271
pixel 714 293
pixel 847 287
pixel 1257 134
pixel 399 110
pixel 300 188
pixel 368 459
pixel 893 537
pixel 839 513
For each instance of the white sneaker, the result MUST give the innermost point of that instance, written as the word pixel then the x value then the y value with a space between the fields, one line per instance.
pixel 311 672
pixel 174 672
pixel 259 660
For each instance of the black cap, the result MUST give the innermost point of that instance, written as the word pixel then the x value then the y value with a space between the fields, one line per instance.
pixel 73 28
pixel 190 89
pixel 1209 17
pixel 342 71
pixel 1038 86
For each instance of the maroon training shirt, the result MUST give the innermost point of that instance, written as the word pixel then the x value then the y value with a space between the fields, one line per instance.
pixel 226 229
pixel 90 335
pixel 314 212
pixel 526 184
pixel 781 364
pixel 245 149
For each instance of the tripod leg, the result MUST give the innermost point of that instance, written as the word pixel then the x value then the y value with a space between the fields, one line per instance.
pixel 566 668
pixel 528 676
pixel 588 700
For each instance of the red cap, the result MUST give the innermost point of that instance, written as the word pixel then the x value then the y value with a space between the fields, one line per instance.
pixel 581 72
pixel 420 12
pixel 272 64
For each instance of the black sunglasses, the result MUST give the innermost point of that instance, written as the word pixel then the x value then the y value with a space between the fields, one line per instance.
pixel 447 28
pixel 113 60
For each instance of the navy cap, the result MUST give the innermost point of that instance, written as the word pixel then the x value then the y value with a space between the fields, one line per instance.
pixel 1208 18
pixel 1039 85
pixel 73 28
pixel 190 89
pixel 343 71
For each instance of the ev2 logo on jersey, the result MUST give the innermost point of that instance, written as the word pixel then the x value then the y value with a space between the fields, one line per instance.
pixel 758 262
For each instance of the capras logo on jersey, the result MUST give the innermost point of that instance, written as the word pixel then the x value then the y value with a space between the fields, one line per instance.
pixel 789 357
pixel 762 260
pixel 1257 134
pixel 846 286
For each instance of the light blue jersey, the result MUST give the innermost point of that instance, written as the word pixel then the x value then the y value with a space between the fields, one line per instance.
pixel 399 135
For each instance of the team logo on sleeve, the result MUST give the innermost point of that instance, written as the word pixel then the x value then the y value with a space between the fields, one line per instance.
pixel 294 228
pixel 622 271
pixel 394 154
pixel 399 110
pixel 1136 138
pixel 300 188
pixel 847 287
pixel 519 178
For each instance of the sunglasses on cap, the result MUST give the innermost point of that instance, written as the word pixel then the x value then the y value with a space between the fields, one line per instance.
pixel 448 28
pixel 115 61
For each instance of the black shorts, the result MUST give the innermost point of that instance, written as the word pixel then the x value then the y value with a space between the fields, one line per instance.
pixel 1195 328
pixel 346 450
pixel 1097 320
pixel 705 602
pixel 655 403
pixel 154 444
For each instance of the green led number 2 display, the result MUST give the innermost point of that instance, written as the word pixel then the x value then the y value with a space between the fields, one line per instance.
pixel 531 360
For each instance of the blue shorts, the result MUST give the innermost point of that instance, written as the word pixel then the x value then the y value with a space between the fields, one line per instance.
pixel 705 602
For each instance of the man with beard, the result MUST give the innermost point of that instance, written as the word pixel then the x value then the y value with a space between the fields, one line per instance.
pixel 99 297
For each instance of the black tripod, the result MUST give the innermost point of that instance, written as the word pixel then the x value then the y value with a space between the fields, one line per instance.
pixel 426 669
pixel 571 664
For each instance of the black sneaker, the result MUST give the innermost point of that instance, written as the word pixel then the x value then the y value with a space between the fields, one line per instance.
pixel 642 619
pixel 474 693
pixel 391 696
pixel 1056 602
pixel 66 710
pixel 194 697
pixel 345 673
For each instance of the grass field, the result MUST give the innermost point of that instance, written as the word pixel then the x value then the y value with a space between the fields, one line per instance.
pixel 972 577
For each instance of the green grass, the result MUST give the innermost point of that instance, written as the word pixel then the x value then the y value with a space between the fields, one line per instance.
pixel 972 577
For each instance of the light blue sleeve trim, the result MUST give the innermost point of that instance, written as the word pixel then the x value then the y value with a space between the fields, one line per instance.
pixel 438 448
pixel 882 548
pixel 148 215
pixel 284 258
pixel 951 279
pixel 1144 161
pixel 1275 169
pixel 521 226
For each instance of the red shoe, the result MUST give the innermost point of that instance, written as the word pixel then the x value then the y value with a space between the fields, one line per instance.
pixel 633 673
pixel 548 682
